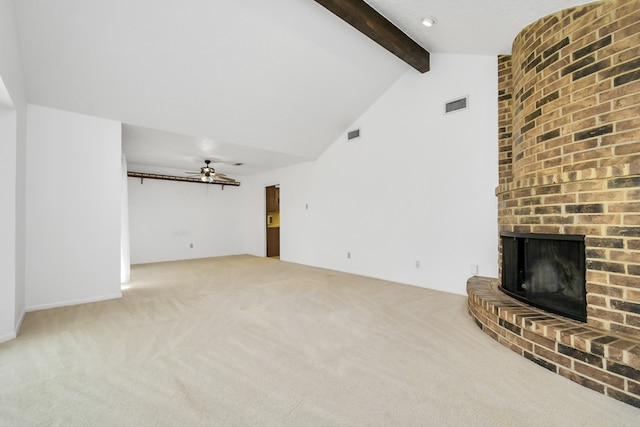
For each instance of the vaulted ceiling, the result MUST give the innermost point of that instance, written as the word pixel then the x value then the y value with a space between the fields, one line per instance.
pixel 264 83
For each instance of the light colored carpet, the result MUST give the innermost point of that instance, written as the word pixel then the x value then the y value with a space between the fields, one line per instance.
pixel 245 341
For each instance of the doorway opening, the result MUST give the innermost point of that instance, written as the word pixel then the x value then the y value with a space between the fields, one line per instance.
pixel 273 220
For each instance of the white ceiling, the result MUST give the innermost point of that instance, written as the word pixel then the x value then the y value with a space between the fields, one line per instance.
pixel 265 83
pixel 157 151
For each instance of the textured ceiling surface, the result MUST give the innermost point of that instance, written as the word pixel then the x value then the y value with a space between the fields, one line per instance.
pixel 263 83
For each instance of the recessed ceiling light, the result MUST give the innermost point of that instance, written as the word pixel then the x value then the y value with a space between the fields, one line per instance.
pixel 429 21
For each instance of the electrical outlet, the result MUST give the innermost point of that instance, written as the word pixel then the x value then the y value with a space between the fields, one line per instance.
pixel 348 254
pixel 474 269
pixel 191 245
pixel 417 264
pixel 306 206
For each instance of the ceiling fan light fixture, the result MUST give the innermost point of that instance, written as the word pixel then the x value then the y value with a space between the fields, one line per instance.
pixel 208 175
pixel 207 172
pixel 429 21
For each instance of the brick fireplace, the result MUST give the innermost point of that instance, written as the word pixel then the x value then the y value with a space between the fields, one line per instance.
pixel 569 147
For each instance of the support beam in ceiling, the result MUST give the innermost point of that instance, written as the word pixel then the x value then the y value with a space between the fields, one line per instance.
pixel 365 19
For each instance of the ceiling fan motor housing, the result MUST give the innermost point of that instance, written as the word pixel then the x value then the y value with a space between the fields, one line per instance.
pixel 207 172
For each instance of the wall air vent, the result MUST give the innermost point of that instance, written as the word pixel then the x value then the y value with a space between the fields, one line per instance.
pixel 353 134
pixel 456 104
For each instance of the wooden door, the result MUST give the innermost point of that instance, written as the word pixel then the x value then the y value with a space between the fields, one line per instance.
pixel 273 199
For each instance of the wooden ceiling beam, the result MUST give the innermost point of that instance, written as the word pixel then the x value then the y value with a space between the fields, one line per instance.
pixel 365 19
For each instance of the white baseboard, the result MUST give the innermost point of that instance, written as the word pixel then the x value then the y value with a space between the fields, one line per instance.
pixel 74 302
pixel 14 334
pixel 20 320
pixel 7 337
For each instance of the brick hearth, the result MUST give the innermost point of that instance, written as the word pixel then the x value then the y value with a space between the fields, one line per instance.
pixel 599 360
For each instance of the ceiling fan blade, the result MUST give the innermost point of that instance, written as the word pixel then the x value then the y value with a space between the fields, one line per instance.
pixel 217 176
pixel 208 172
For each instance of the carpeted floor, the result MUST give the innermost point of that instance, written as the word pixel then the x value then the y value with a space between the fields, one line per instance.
pixel 245 341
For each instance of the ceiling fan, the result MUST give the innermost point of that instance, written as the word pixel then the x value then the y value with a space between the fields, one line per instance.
pixel 208 174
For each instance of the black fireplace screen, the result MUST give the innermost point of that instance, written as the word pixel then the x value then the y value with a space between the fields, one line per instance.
pixel 547 271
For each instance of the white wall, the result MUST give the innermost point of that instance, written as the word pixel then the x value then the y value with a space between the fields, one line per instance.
pixel 417 186
pixel 73 208
pixel 166 217
pixel 12 143
pixel 7 220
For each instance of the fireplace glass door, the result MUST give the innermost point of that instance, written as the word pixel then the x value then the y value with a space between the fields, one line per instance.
pixel 547 271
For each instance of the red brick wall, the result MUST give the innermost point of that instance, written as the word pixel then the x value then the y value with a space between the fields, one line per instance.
pixel 569 146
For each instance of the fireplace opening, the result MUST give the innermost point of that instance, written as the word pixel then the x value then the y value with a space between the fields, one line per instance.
pixel 546 271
